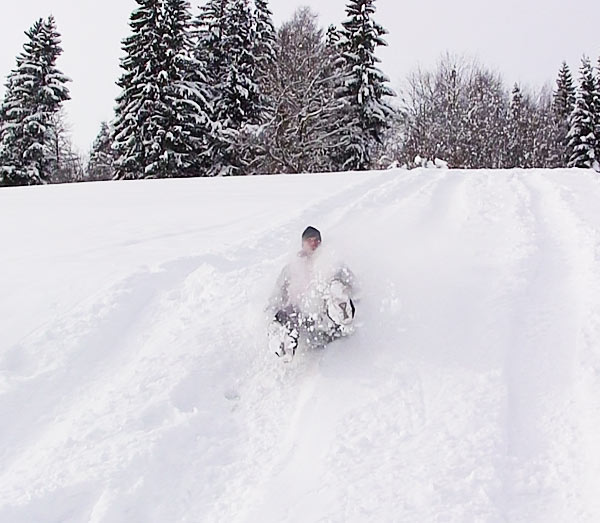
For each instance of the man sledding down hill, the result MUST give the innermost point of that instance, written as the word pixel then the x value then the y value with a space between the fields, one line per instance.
pixel 310 299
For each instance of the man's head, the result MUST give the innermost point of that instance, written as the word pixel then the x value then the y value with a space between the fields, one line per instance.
pixel 311 239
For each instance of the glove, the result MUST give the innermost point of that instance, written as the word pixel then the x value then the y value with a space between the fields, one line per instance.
pixel 340 308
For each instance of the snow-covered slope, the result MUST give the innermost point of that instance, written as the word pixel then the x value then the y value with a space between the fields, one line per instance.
pixel 135 385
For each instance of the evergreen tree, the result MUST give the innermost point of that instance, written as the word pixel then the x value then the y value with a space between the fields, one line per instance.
pixel 209 33
pixel 100 165
pixel 162 115
pixel 36 90
pixel 239 102
pixel 238 98
pixel 186 120
pixel 265 54
pixel 564 96
pixel 362 88
pixel 209 53
pixel 563 104
pixel 136 105
pixel 583 141
pixel 332 37
pixel 235 47
pixel 264 38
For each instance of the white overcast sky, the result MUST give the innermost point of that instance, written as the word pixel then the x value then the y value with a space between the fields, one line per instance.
pixel 525 40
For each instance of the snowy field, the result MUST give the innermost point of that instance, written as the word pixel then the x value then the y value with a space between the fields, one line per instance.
pixel 135 384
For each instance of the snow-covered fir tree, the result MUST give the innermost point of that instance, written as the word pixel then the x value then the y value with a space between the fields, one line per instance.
pixel 162 115
pixel 583 121
pixel 102 156
pixel 12 168
pixel 188 122
pixel 236 91
pixel 234 46
pixel 209 52
pixel 36 90
pixel 64 164
pixel 362 88
pixel 208 33
pixel 264 43
pixel 565 94
pixel 238 100
pixel 137 104
pixel 251 134
pixel 332 36
pixel 563 104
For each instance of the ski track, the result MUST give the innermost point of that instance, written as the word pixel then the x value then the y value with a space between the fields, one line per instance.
pixel 555 347
pixel 490 416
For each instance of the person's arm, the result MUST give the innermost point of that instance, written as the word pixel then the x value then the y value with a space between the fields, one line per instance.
pixel 280 296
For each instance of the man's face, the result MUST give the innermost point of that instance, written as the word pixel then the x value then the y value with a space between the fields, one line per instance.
pixel 309 245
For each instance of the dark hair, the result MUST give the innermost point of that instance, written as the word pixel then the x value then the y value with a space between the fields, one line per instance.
pixel 311 232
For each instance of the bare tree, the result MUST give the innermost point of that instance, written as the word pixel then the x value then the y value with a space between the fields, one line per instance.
pixel 456 113
pixel 67 163
pixel 299 83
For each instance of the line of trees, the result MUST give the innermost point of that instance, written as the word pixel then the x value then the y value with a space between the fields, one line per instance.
pixel 226 93
pixel 222 93
pixel 462 113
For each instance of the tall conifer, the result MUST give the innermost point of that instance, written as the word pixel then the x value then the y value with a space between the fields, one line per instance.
pixel 565 94
pixel 100 165
pixel 36 91
pixel 563 103
pixel 162 115
pixel 362 88
pixel 133 128
pixel 583 140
